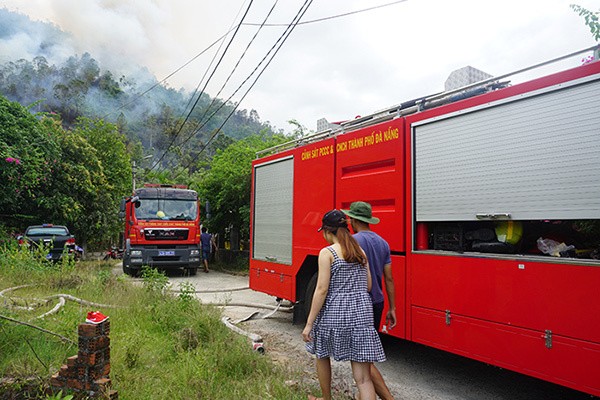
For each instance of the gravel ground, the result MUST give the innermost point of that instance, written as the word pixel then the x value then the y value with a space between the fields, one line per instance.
pixel 412 371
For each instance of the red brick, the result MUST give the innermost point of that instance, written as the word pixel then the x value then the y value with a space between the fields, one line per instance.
pixel 83 344
pixel 89 330
pixel 75 384
pixel 98 372
pixel 82 372
pixel 66 372
pixel 71 361
pixel 92 345
pixel 103 342
pixel 105 326
pixel 88 359
pixel 57 380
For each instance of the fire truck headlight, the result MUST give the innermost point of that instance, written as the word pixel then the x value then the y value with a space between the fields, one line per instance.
pixel 195 252
pixel 136 253
pixel 194 259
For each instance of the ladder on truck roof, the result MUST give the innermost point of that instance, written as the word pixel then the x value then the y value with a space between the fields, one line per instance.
pixel 416 105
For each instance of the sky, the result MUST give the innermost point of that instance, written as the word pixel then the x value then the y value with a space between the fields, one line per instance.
pixel 337 68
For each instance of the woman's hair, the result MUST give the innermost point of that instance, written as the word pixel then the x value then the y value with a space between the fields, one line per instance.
pixel 351 250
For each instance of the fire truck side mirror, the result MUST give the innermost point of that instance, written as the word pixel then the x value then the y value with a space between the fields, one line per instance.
pixel 122 209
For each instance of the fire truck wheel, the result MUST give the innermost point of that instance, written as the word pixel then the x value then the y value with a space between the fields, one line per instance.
pixel 191 271
pixel 133 272
pixel 308 296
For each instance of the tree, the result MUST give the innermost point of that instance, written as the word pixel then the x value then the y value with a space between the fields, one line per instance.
pixel 78 193
pixel 226 186
pixel 28 158
pixel 299 130
pixel 67 177
pixel 109 148
pixel 591 20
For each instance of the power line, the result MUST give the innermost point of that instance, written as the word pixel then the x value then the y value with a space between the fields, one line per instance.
pixel 201 124
pixel 227 33
pixel 236 28
pixel 170 75
pixel 233 27
pixel 334 16
pixel 282 38
pixel 215 97
pixel 204 88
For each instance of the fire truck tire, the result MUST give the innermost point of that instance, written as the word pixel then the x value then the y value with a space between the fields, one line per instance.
pixel 308 296
pixel 191 271
pixel 133 272
pixel 126 269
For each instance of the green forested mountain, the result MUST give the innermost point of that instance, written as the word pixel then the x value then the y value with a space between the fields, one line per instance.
pixel 154 119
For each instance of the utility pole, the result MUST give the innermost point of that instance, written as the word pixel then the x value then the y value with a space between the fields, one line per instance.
pixel 133 174
pixel 134 169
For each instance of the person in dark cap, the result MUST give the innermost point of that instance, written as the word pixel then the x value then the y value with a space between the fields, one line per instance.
pixel 380 265
pixel 340 321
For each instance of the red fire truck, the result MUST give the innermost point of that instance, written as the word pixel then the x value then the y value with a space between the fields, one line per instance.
pixel 162 229
pixel 489 197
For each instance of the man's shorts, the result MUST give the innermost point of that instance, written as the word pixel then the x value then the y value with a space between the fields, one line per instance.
pixel 377 313
pixel 206 254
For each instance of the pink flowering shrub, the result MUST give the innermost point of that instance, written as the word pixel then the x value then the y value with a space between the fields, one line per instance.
pixel 13 160
pixel 587 60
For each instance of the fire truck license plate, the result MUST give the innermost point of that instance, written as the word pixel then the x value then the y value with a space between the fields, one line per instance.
pixel 166 253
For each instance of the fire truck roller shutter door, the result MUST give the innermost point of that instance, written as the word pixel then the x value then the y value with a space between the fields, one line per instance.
pixel 520 157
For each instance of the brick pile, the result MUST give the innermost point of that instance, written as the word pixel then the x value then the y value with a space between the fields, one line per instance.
pixel 88 372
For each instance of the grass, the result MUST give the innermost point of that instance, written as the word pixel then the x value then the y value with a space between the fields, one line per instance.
pixel 162 346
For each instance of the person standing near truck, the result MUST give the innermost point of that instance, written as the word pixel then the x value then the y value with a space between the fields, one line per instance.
pixel 380 264
pixel 206 244
pixel 340 321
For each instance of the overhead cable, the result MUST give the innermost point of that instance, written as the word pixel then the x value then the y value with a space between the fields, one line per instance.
pixel 282 38
pixel 227 33
pixel 335 16
pixel 216 96
pixel 203 89
pixel 200 123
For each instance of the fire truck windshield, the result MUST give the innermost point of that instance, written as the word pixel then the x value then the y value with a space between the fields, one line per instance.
pixel 166 209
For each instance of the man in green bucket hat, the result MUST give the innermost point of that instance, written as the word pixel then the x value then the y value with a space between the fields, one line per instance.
pixel 380 264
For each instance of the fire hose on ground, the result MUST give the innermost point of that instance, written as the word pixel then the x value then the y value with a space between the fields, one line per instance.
pixel 257 341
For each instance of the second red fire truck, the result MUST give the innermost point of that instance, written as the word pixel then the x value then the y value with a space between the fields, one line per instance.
pixel 162 229
pixel 489 197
